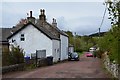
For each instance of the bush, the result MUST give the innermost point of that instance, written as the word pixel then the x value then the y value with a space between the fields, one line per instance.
pixel 79 50
pixel 110 43
pixel 99 53
pixel 15 56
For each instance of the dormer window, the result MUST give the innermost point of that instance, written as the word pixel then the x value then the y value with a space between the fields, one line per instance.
pixel 22 38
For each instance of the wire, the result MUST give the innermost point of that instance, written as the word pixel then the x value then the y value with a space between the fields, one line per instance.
pixel 103 17
pixel 101 21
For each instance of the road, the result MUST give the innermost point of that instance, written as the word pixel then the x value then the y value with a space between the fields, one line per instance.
pixel 87 67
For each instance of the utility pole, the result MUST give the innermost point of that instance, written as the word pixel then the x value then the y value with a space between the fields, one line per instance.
pixel 99 32
pixel 74 41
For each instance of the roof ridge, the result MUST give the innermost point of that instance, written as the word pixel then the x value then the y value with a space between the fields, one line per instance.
pixel 39 28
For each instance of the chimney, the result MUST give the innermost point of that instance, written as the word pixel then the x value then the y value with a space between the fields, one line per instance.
pixel 31 18
pixel 42 16
pixel 30 13
pixel 54 23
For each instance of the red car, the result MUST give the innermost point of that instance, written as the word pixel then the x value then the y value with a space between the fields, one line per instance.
pixel 88 54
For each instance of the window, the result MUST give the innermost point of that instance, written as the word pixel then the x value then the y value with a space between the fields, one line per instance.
pixel 13 40
pixel 22 37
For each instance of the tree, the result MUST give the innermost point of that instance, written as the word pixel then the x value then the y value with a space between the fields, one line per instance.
pixel 71 39
pixel 110 42
pixel 114 11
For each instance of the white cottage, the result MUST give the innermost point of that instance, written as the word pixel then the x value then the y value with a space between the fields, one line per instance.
pixel 38 34
pixel 71 48
pixel 31 38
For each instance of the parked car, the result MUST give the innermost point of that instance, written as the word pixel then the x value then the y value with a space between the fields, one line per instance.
pixel 73 56
pixel 89 54
pixel 92 49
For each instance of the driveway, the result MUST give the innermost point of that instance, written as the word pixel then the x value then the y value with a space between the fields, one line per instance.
pixel 87 67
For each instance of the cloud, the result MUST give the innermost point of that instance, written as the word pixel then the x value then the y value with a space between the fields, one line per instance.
pixel 53 1
pixel 80 17
pixel 84 25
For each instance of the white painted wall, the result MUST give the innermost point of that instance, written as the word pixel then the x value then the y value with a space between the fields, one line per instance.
pixel 64 47
pixel 56 50
pixel 34 40
pixel 71 49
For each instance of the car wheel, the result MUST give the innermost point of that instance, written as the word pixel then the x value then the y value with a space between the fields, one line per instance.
pixel 77 59
pixel 69 59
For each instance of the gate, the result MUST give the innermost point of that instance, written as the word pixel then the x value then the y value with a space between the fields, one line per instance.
pixel 41 54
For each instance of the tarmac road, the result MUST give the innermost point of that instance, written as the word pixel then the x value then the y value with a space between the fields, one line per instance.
pixel 87 67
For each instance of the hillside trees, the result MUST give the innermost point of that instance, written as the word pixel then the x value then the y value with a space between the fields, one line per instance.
pixel 81 43
pixel 111 41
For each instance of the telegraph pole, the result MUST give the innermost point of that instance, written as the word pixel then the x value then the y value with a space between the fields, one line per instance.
pixel 99 32
pixel 74 41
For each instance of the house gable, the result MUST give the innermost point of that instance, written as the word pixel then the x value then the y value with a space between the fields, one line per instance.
pixel 40 29
pixel 33 40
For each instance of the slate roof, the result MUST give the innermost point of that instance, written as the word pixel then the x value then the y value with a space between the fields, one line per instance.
pixel 51 32
pixel 58 30
pixel 5 32
pixel 47 33
pixel 42 25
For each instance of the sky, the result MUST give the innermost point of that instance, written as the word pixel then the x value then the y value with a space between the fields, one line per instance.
pixel 77 16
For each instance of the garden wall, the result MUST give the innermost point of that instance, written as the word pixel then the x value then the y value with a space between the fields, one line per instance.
pixel 112 67
pixel 11 68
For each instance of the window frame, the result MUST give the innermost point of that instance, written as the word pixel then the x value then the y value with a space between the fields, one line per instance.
pixel 22 37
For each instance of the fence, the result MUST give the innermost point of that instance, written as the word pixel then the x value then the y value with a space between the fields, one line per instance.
pixel 40 59
pixel 39 54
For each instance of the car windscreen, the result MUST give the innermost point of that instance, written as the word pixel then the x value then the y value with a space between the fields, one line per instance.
pixel 74 54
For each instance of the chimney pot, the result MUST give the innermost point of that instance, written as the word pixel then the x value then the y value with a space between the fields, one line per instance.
pixel 42 16
pixel 30 13
pixel 41 11
pixel 54 23
pixel 53 20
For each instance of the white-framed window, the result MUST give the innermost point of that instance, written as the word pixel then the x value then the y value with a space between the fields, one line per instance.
pixel 22 37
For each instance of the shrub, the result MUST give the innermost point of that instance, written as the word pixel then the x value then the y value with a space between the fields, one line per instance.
pixel 99 53
pixel 79 50
pixel 15 56
pixel 110 43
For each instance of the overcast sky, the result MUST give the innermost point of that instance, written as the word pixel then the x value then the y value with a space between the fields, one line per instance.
pixel 81 17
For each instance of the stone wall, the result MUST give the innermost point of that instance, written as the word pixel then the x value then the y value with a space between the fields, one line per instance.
pixel 112 67
pixel 15 67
